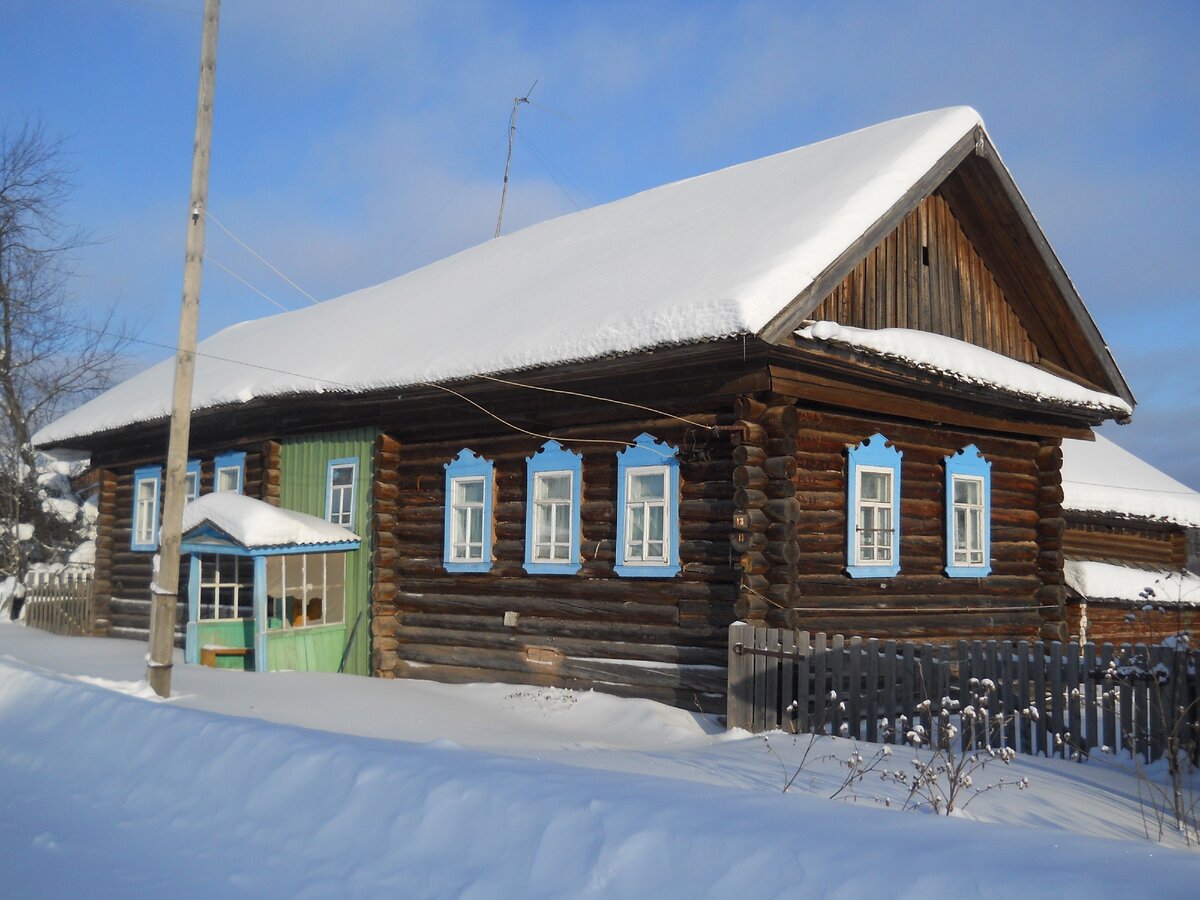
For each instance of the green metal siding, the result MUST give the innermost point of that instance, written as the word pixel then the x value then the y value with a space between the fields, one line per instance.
pixel 303 467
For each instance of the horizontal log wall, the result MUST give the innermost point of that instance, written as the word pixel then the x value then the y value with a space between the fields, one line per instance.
pixel 662 638
pixel 921 602
pixel 1124 543
pixel 927 275
pixel 1130 623
pixel 123 575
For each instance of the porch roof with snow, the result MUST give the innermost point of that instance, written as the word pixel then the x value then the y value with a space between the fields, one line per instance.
pixel 747 250
pixel 229 522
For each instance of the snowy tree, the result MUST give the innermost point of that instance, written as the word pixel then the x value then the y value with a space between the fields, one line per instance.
pixel 52 355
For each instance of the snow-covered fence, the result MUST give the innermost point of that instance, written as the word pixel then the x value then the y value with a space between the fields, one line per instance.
pixel 60 602
pixel 1038 697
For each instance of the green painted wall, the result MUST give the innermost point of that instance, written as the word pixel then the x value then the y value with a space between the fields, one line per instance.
pixel 228 633
pixel 303 467
pixel 315 649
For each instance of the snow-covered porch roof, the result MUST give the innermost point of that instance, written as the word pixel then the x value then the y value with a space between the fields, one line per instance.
pixel 1104 478
pixel 1109 581
pixel 226 522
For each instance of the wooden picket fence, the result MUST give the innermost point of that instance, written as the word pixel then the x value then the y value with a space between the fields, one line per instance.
pixel 1038 697
pixel 60 603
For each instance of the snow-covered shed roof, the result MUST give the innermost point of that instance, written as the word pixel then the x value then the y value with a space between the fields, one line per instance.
pixel 255 524
pixel 1102 477
pixel 712 256
pixel 966 363
pixel 1108 581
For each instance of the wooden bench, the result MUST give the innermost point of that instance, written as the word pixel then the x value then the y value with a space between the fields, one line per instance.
pixel 209 655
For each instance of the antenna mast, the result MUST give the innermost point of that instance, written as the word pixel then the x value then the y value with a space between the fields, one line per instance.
pixel 512 131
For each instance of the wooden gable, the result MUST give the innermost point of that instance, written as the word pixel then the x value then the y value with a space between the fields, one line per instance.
pixel 960 254
pixel 927 275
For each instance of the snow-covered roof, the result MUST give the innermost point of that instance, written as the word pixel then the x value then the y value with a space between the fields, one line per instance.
pixel 255 524
pixel 966 363
pixel 1106 581
pixel 1102 477
pixel 708 257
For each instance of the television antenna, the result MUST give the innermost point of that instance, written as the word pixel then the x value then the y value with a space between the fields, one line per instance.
pixel 512 131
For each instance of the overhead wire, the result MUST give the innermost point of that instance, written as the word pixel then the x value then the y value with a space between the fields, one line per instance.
pixel 209 215
pixel 552 168
pixel 229 271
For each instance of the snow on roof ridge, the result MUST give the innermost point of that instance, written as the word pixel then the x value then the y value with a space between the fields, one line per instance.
pixel 965 362
pixel 1103 477
pixel 705 257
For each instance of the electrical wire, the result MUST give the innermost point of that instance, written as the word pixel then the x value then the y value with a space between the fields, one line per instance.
pixel 549 171
pixel 552 168
pixel 208 215
pixel 234 274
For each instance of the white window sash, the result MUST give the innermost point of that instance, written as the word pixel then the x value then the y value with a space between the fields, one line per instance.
pixel 466 537
pixel 545 546
pixel 644 558
pixel 341 512
pixel 970 552
pixel 879 541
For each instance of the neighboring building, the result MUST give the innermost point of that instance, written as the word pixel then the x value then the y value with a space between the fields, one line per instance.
pixel 1129 527
pixel 576 453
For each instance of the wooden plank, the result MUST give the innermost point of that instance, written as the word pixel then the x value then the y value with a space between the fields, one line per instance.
pixel 1108 693
pixel 1074 697
pixel 1058 724
pixel 1023 699
pixel 804 722
pixel 787 696
pixel 760 680
pixel 1010 707
pixel 771 719
pixel 837 668
pixel 1156 699
pixel 854 687
pixel 1126 723
pixel 819 675
pixel 892 733
pixel 1141 706
pixel 1090 710
pixel 737 706
pixel 908 701
pixel 871 693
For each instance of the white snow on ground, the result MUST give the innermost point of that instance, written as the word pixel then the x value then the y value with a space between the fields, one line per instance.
pixel 423 790
pixel 1106 581
pixel 964 362
pixel 1104 477
pixel 703 258
pixel 253 523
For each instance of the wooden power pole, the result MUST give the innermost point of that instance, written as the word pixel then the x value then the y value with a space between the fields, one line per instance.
pixel 166 581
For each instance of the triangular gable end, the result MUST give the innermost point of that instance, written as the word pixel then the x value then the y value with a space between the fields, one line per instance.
pixel 960 254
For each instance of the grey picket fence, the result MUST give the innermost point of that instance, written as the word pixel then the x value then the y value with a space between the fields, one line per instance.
pixel 1040 698
pixel 61 603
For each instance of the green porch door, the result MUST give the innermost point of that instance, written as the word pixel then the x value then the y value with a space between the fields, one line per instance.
pixel 304 473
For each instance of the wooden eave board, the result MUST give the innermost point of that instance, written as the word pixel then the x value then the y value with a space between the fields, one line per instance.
pixel 998 222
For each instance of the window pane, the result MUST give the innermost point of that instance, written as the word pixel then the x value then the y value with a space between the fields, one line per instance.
pixel 227 479
pixel 562 523
pixel 343 476
pixel 191 484
pixel 648 486
pixel 553 487
pixel 468 491
pixel 968 490
pixel 655 528
pixel 876 486
pixel 475 524
pixel 541 522
pixel 654 550
pixel 637 525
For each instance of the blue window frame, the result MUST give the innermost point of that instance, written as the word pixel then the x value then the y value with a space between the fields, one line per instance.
pixel 191 483
pixel 229 472
pixel 341 483
pixel 147 488
pixel 648 509
pixel 470 487
pixel 554 491
pixel 873 509
pixel 968 514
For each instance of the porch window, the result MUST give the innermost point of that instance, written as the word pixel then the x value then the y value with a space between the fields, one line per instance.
pixel 468 520
pixel 339 492
pixel 306 589
pixel 226 587
pixel 647 509
pixel 968 514
pixel 554 487
pixel 230 472
pixel 873 509
pixel 147 483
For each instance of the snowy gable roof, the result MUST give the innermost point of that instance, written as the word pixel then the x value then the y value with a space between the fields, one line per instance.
pixel 255 524
pixel 708 257
pixel 1101 477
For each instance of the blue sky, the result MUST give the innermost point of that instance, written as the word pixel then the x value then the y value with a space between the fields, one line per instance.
pixel 357 140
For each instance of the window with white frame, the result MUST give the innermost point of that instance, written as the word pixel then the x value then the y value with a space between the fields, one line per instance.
pixel 147 482
pixel 339 493
pixel 191 481
pixel 647 509
pixel 226 587
pixel 875 516
pixel 968 514
pixel 873 509
pixel 552 526
pixel 468 520
pixel 229 472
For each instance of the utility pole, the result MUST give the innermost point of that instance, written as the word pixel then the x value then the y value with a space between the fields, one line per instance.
pixel 512 131
pixel 165 588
